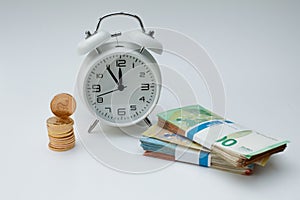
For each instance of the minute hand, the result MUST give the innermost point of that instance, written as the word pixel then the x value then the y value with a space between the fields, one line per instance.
pixel 120 76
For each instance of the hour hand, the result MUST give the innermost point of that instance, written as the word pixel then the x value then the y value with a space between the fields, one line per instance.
pixel 112 74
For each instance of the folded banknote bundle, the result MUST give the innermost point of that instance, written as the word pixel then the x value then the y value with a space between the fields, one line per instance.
pixel 195 135
pixel 161 143
pixel 238 145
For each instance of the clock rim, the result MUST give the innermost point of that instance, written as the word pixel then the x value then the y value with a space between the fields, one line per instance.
pixel 108 49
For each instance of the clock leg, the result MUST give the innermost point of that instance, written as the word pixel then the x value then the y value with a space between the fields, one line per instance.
pixel 93 125
pixel 147 121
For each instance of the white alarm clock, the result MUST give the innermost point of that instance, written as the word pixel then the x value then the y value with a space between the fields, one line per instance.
pixel 119 80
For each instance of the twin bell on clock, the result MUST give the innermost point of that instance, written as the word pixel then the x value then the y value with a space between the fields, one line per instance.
pixel 119 80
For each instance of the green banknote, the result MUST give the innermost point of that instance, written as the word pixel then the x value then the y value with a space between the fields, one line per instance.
pixel 161 143
pixel 229 139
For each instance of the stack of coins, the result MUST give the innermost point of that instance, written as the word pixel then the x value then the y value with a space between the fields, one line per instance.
pixel 60 127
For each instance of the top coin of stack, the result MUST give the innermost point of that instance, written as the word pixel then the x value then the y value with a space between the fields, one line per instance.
pixel 60 127
pixel 63 105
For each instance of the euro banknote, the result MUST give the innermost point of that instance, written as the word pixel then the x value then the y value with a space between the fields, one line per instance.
pixel 170 151
pixel 236 144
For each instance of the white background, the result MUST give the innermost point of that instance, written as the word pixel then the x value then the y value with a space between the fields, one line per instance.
pixel 255 45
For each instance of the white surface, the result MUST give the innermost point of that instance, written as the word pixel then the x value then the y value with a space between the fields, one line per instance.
pixel 255 45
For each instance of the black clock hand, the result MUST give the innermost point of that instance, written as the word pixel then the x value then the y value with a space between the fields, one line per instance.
pixel 105 93
pixel 112 74
pixel 120 76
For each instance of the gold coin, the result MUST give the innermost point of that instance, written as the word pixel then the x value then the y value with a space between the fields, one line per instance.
pixel 56 121
pixel 59 130
pixel 61 139
pixel 61 146
pixel 63 105
pixel 60 149
pixel 57 146
pixel 60 134
pixel 59 125
pixel 62 143
pixel 68 138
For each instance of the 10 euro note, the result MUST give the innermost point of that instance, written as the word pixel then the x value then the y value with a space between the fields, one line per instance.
pixel 170 137
pixel 161 143
pixel 236 144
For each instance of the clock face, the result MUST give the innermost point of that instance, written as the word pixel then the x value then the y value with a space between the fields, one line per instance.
pixel 122 89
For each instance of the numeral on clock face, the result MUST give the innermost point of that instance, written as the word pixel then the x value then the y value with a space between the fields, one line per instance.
pixel 145 86
pixel 96 88
pixel 108 108
pixel 142 74
pixel 121 63
pixel 99 75
pixel 142 99
pixel 121 111
pixel 99 99
pixel 132 107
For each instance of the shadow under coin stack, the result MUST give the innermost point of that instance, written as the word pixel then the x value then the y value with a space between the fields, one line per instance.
pixel 60 127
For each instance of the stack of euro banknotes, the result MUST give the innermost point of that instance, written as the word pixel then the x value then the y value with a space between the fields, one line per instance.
pixel 195 135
